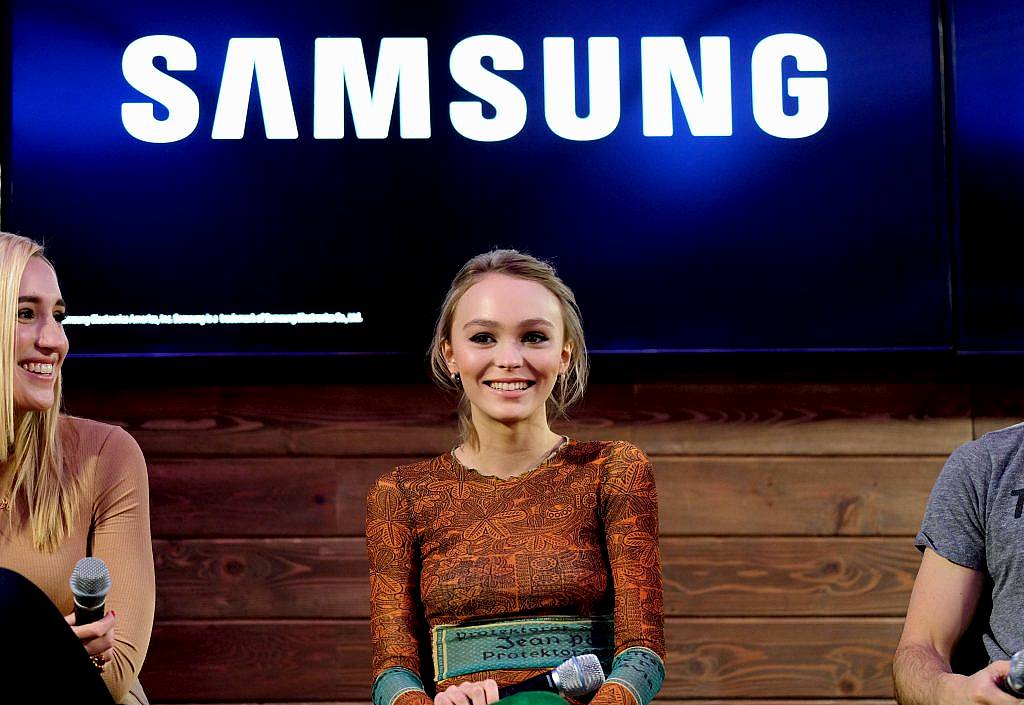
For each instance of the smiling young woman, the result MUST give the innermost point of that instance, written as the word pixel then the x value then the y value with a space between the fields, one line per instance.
pixel 69 488
pixel 519 548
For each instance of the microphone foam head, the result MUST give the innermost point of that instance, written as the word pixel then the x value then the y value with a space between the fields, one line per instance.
pixel 90 578
pixel 580 675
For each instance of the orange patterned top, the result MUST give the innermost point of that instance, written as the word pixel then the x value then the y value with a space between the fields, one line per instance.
pixel 578 535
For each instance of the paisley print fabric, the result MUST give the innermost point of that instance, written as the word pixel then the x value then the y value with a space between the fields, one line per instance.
pixel 577 535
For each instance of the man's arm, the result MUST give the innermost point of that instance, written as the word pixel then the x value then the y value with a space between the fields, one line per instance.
pixel 941 606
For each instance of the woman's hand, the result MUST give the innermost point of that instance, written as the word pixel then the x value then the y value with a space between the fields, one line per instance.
pixel 97 637
pixel 475 693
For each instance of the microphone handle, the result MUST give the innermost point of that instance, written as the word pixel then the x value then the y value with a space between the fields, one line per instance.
pixel 542 682
pixel 88 615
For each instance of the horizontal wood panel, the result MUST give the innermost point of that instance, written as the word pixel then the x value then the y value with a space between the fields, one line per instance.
pixel 258 661
pixel 807 419
pixel 262 496
pixel 794 496
pixel 262 578
pixel 987 424
pixel 746 658
pixel 707 419
pixel 776 577
pixel 330 420
pixel 997 406
pixel 698 496
pixel 783 658
pixel 327 578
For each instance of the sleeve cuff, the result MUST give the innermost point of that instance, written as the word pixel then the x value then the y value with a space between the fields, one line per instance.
pixel 953 554
pixel 640 671
pixel 393 683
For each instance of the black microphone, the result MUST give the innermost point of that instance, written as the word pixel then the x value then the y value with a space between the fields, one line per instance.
pixel 90 583
pixel 1014 681
pixel 574 678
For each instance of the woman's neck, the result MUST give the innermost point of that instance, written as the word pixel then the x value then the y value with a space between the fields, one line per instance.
pixel 508 450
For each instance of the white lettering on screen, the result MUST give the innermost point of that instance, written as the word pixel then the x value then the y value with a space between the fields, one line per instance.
pixel 340 67
pixel 209 319
pixel 811 93
pixel 139 119
pixel 401 80
pixel 509 103
pixel 707 106
pixel 263 60
pixel 560 88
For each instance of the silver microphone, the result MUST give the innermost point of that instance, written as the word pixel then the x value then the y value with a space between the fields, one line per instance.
pixel 575 677
pixel 579 675
pixel 90 583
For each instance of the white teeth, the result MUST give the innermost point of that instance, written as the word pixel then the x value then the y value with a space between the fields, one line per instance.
pixel 40 368
pixel 508 386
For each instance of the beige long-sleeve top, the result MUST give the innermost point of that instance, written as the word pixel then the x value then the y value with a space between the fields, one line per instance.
pixel 113 525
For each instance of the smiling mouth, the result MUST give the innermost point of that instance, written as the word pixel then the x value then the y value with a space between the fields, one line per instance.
pixel 510 386
pixel 38 368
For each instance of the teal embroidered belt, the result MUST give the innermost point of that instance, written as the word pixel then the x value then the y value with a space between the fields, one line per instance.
pixel 536 642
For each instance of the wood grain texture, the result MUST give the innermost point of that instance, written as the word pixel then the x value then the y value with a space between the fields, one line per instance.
pixel 328 420
pixel 710 419
pixel 258 661
pixel 802 419
pixel 996 406
pixel 794 496
pixel 262 496
pixel 262 578
pixel 744 658
pixel 277 420
pixel 783 658
pixel 698 496
pixel 327 577
pixel 987 424
pixel 775 577
pixel 787 513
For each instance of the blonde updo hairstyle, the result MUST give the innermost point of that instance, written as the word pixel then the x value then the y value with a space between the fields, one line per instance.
pixel 41 488
pixel 570 386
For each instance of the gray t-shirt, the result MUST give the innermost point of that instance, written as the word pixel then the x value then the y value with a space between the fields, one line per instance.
pixel 975 518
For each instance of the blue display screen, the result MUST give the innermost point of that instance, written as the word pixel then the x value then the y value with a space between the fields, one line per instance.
pixel 705 175
pixel 988 116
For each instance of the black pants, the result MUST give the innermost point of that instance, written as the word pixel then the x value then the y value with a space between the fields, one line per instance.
pixel 42 653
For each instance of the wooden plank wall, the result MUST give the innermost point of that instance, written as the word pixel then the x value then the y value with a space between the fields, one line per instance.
pixel 787 515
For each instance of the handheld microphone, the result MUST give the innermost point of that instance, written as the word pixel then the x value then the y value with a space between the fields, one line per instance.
pixel 575 677
pixel 1014 681
pixel 90 583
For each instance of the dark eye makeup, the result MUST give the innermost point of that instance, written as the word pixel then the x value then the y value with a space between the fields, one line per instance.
pixel 29 314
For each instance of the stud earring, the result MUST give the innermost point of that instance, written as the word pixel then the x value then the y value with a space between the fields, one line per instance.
pixel 457 378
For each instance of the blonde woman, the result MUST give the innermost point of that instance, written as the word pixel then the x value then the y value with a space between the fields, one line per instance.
pixel 518 548
pixel 69 488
